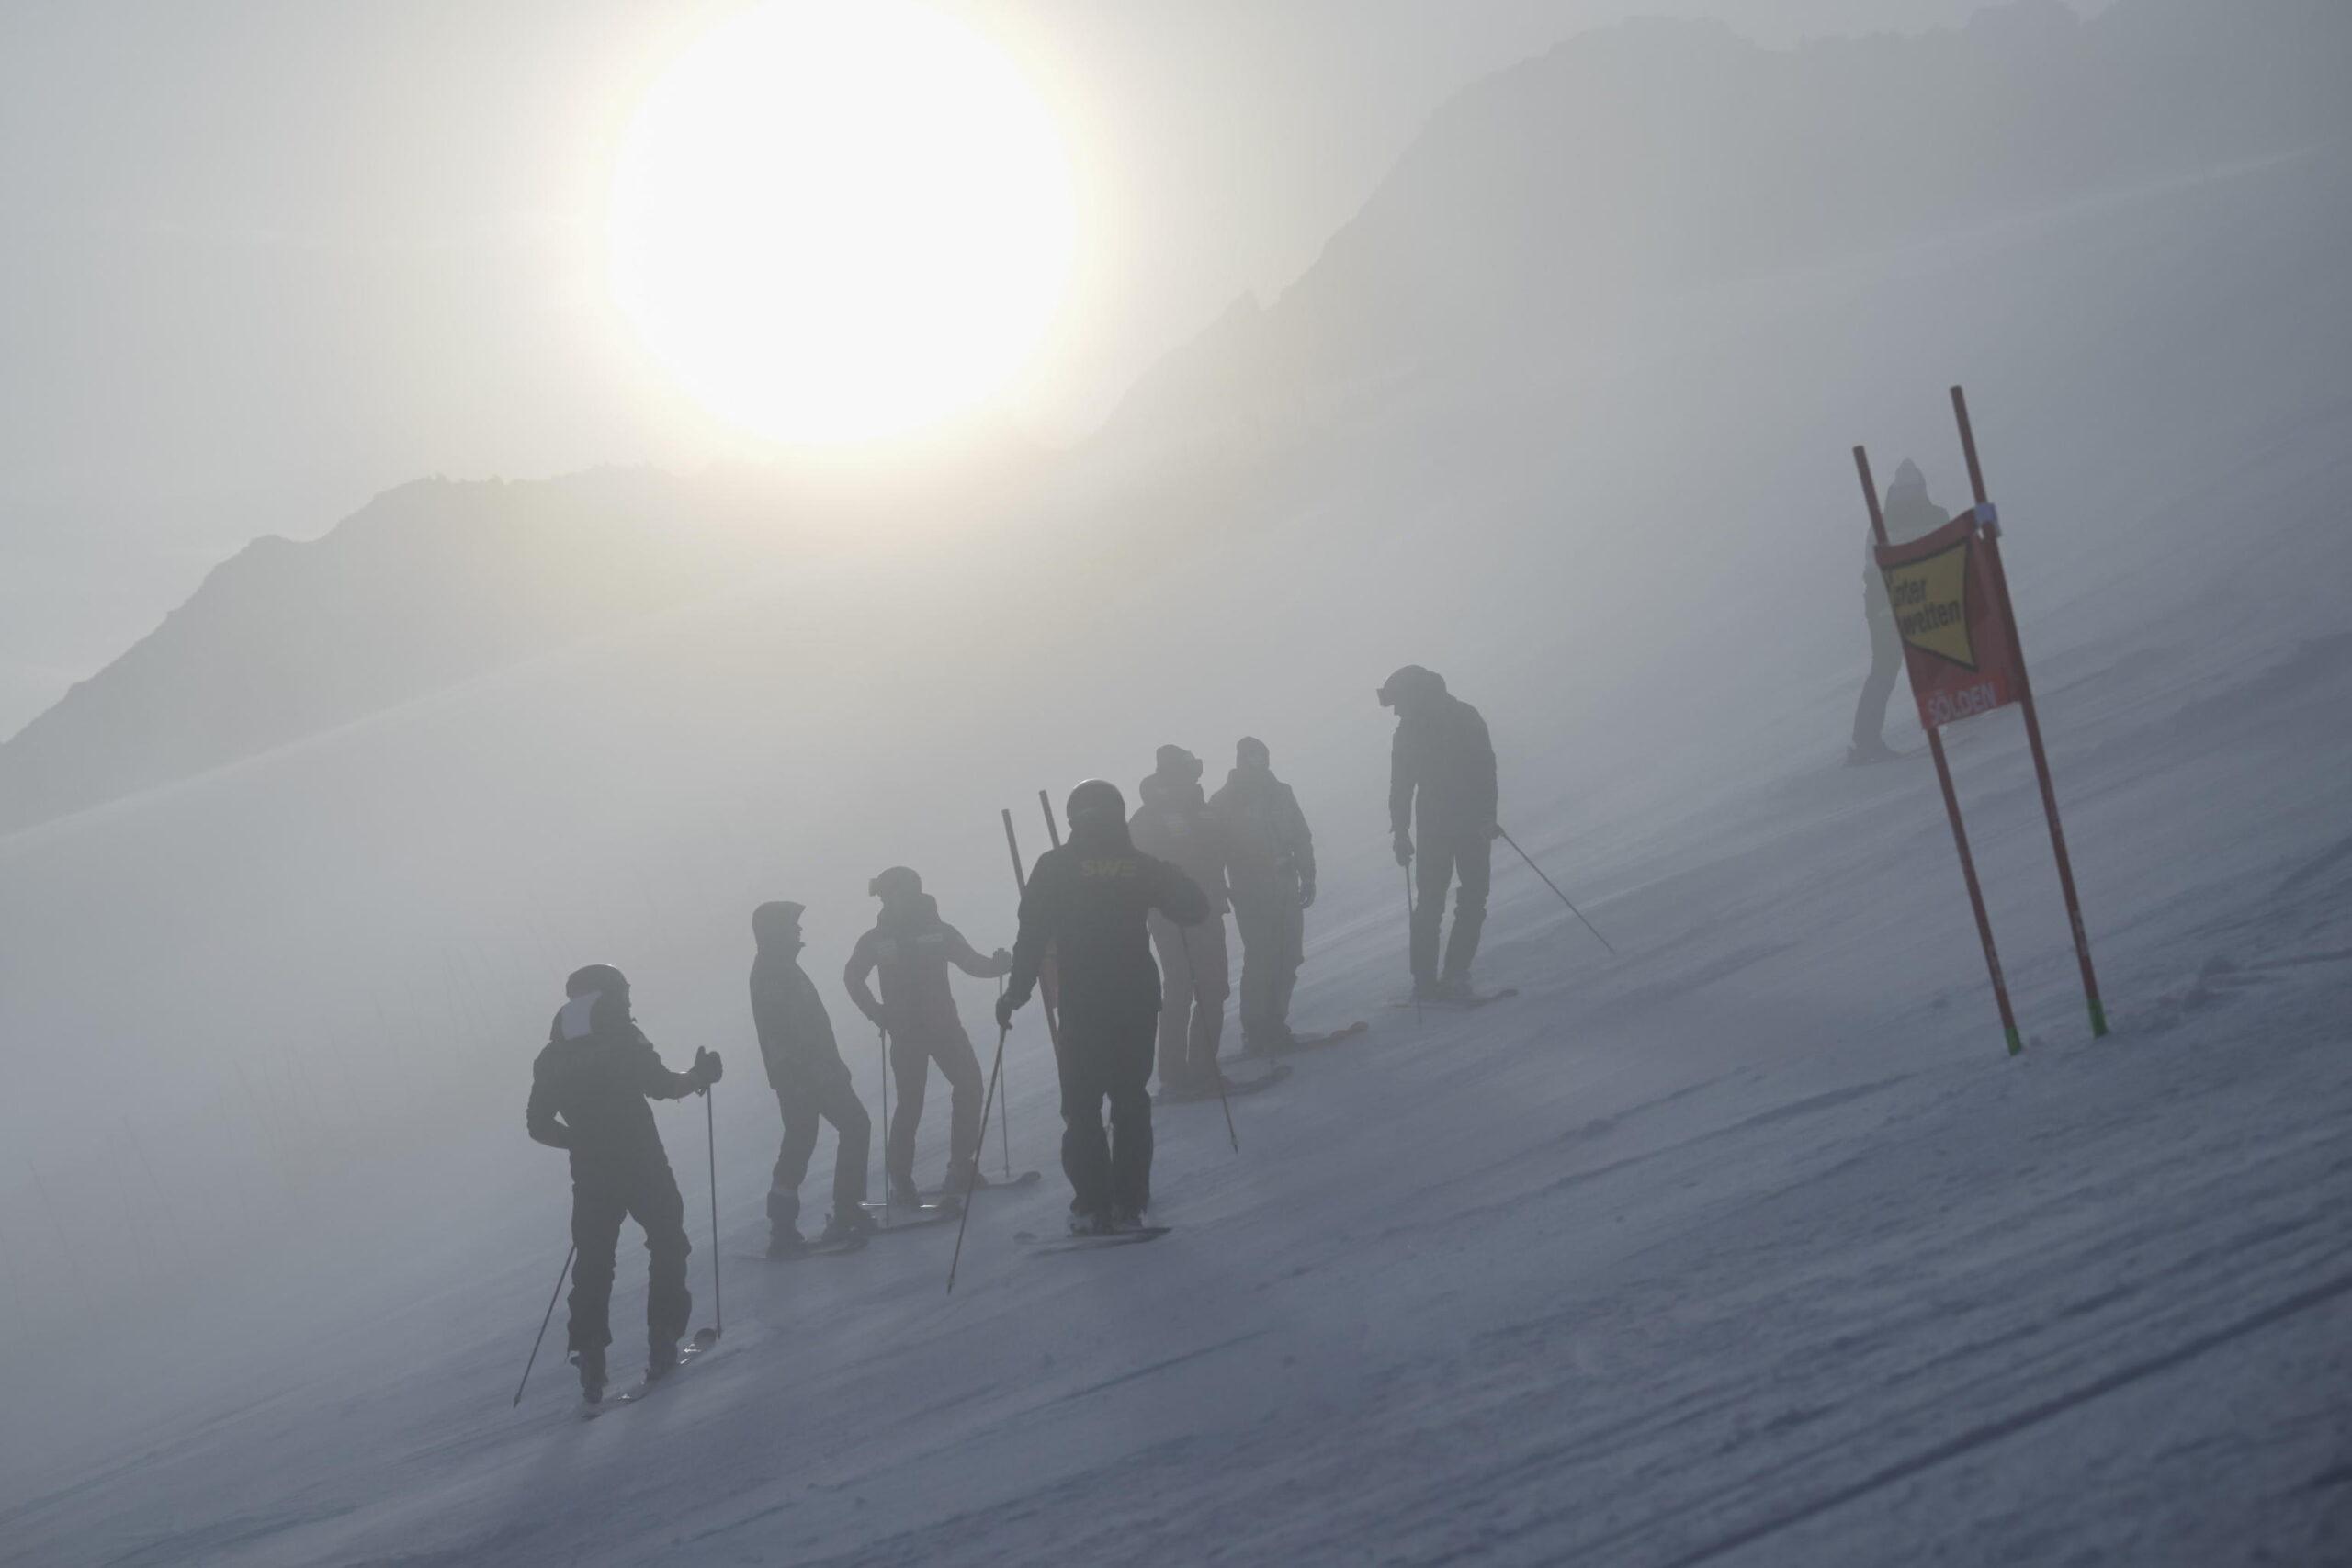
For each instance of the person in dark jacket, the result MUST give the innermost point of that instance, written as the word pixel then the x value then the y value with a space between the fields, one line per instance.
pixel 1088 899
pixel 811 1084
pixel 1174 823
pixel 912 947
pixel 1441 780
pixel 1909 515
pixel 589 1090
pixel 1270 868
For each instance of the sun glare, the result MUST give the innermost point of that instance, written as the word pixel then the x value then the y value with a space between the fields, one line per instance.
pixel 838 221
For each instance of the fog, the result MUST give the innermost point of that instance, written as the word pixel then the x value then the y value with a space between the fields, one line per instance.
pixel 1556 400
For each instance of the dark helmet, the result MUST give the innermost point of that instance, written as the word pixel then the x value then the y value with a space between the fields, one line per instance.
pixel 1410 682
pixel 895 884
pixel 776 921
pixel 595 978
pixel 1095 800
pixel 1250 753
pixel 1175 762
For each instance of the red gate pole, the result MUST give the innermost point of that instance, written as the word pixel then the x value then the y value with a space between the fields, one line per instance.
pixel 1989 530
pixel 1951 800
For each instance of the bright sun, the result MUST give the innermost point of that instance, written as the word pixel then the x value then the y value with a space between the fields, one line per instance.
pixel 838 221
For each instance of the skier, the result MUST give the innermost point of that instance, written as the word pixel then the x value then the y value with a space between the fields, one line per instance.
pixel 1174 823
pixel 912 947
pixel 1088 899
pixel 588 1094
pixel 811 1083
pixel 1441 779
pixel 1270 866
pixel 1909 514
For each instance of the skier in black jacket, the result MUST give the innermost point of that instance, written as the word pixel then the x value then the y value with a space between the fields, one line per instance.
pixel 1441 780
pixel 1088 899
pixel 589 1090
pixel 811 1084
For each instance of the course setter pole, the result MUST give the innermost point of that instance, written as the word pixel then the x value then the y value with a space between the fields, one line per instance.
pixel 1991 534
pixel 1020 885
pixel 1951 802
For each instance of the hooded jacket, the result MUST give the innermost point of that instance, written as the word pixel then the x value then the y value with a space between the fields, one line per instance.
pixel 1267 845
pixel 590 1086
pixel 1175 824
pixel 1088 899
pixel 1440 765
pixel 912 947
pixel 796 1033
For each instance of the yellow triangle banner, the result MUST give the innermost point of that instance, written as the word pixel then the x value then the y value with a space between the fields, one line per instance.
pixel 1930 599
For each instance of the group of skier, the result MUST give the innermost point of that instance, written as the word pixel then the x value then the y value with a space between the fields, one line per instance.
pixel 1092 913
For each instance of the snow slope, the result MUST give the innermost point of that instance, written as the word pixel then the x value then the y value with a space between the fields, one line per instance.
pixel 1750 1246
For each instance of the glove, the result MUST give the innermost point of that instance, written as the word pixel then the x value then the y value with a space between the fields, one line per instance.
pixel 706 1070
pixel 1404 847
pixel 1002 959
pixel 1494 831
pixel 1005 1006
pixel 1306 894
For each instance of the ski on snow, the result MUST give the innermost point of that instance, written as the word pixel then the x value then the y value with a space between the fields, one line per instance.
pixel 989 1183
pixel 695 1350
pixel 1468 1004
pixel 1234 1088
pixel 1042 1246
pixel 1316 1042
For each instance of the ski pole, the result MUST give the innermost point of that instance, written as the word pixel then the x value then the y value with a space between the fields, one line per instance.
pixel 1407 869
pixel 1184 941
pixel 882 1053
pixel 1003 1117
pixel 561 1275
pixel 1556 889
pixel 717 1303
pixel 971 1182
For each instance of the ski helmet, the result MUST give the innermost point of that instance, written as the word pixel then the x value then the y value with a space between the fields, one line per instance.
pixel 595 978
pixel 895 884
pixel 1095 800
pixel 1410 683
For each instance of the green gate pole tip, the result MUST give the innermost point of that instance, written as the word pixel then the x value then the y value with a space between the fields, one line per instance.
pixel 2099 1019
pixel 2016 1046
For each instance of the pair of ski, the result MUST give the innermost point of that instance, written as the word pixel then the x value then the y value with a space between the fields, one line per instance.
pixel 939 1208
pixel 1235 1087
pixel 1457 1004
pixel 1045 1245
pixel 698 1348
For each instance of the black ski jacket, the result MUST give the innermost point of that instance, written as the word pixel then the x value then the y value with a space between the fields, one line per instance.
pixel 589 1091
pixel 797 1041
pixel 1442 755
pixel 1088 899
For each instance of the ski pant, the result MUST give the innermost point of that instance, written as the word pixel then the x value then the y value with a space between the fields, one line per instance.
pixel 910 1062
pixel 1194 980
pixel 824 1093
pixel 1886 663
pixel 600 1200
pixel 1443 856
pixel 1272 929
pixel 1106 1059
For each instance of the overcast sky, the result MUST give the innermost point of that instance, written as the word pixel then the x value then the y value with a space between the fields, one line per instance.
pixel 262 261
